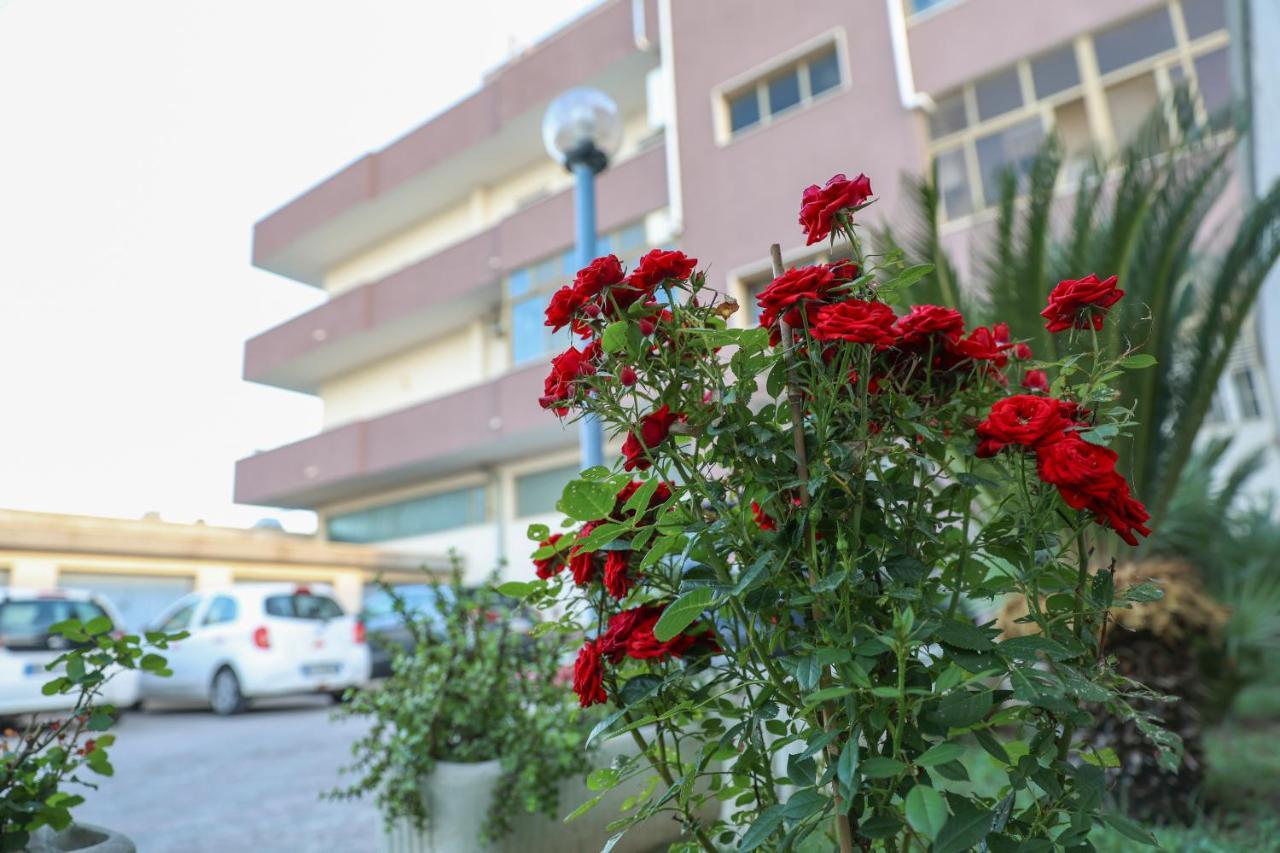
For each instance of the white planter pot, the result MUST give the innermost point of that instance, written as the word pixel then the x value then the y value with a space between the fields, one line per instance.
pixel 460 795
pixel 79 838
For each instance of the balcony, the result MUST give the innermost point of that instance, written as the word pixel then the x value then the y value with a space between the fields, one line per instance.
pixel 437 164
pixel 383 317
pixel 484 425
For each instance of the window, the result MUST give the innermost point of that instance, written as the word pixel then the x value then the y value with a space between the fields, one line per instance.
pixel 998 94
pixel 948 115
pixel 1130 103
pixel 1213 76
pixel 921 5
pixel 180 620
pixel 529 289
pixel 953 183
pixel 1055 72
pixel 1215 415
pixel 1247 394
pixel 416 517
pixel 538 492
pixel 792 86
pixel 1204 17
pixel 221 611
pixel 302 606
pixel 1134 40
pixel 25 624
pixel 1011 148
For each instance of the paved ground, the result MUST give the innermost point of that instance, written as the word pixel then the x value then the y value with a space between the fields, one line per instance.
pixel 190 782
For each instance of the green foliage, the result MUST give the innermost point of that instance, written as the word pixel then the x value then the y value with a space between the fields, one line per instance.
pixel 36 763
pixel 472 689
pixel 1137 216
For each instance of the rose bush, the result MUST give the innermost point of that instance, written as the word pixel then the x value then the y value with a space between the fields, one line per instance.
pixel 815 517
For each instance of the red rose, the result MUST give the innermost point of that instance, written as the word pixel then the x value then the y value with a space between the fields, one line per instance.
pixel 627 375
pixel 1022 352
pixel 762 519
pixel 552 565
pixel 856 321
pixel 1123 513
pixel 648 325
pixel 1080 304
pixel 924 321
pixel 660 496
pixel 820 205
pixel 597 275
pixel 809 286
pixel 1036 380
pixel 654 428
pixel 566 369
pixel 1025 420
pixel 588 676
pixel 564 303
pixel 581 563
pixel 613 643
pixel 981 345
pixel 617 581
pixel 1085 476
pixel 630 633
pixel 660 265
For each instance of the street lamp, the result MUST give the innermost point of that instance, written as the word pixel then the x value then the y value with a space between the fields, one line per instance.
pixel 582 131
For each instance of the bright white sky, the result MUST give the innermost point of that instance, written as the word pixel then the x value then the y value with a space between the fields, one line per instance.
pixel 139 142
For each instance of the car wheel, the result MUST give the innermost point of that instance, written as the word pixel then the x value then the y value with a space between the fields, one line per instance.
pixel 338 696
pixel 224 695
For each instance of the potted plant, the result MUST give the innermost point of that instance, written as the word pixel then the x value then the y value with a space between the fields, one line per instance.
pixel 812 515
pixel 38 763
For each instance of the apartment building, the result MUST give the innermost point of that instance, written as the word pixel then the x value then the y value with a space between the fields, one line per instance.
pixel 439 251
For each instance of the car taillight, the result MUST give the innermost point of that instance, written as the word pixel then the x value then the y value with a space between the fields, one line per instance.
pixel 359 635
pixel 261 638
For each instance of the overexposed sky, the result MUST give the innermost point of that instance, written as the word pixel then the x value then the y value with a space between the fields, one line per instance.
pixel 139 142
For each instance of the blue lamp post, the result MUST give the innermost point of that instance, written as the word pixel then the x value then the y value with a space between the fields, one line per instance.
pixel 582 131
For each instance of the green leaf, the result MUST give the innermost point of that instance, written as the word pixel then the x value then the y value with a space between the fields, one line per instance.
pixel 75 667
pixel 826 695
pixel 614 338
pixel 587 500
pixel 1145 591
pixel 100 722
pixel 1138 361
pixel 584 808
pixel 682 613
pixel 879 767
pixel 964 635
pixel 765 826
pixel 847 765
pixel 926 811
pixel 600 536
pixel 961 708
pixel 1130 829
pixel 152 662
pixel 98 625
pixel 538 532
pixel 518 589
pixel 1026 648
pixel 963 830
pixel 803 803
pixel 940 754
pixel 1105 757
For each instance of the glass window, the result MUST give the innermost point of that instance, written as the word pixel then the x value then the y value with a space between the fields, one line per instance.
pixel 744 110
pixel 181 618
pixel 921 5
pixel 519 282
pixel 302 606
pixel 953 184
pixel 1133 40
pixel 1213 76
pixel 1011 148
pixel 221 610
pixel 824 72
pixel 1071 122
pixel 1055 72
pixel 31 619
pixel 1204 17
pixel 1247 394
pixel 948 115
pixel 538 492
pixel 784 91
pixel 1130 103
pixel 998 94
pixel 530 336
pixel 416 517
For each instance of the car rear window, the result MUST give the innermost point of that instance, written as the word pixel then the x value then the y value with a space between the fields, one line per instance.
pixel 301 606
pixel 24 624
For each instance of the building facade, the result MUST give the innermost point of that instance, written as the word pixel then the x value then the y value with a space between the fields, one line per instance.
pixel 438 252
pixel 144 566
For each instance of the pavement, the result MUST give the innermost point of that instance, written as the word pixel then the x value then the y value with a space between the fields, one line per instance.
pixel 188 781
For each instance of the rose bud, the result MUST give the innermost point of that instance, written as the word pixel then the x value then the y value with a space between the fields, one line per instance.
pixel 627 375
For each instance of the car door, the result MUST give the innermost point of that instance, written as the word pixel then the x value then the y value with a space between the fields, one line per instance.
pixel 181 654
pixel 214 636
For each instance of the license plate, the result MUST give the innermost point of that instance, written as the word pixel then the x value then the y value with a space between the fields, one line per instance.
pixel 321 669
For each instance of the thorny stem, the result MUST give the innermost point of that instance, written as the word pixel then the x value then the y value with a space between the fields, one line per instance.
pixel 660 765
pixel 795 398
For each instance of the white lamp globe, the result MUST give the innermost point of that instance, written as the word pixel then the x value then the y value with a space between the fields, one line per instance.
pixel 582 125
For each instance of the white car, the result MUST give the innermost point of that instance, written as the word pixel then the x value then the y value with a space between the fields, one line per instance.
pixel 27 647
pixel 255 640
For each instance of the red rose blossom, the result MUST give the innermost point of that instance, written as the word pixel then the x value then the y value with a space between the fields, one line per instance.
pixel 597 275
pixel 924 321
pixel 552 565
pixel 856 321
pixel 627 375
pixel 1084 474
pixel 1025 420
pixel 566 369
pixel 659 265
pixel 564 303
pixel 820 205
pixel 654 428
pixel 1081 303
pixel 762 519
pixel 661 494
pixel 808 286
pixel 1022 352
pixel 617 581
pixel 588 676
pixel 582 564
pixel 1036 380
pixel 982 344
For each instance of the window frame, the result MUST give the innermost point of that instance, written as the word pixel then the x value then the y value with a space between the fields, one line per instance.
pixel 759 77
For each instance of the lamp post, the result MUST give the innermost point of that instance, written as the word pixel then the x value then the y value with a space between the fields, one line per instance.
pixel 582 131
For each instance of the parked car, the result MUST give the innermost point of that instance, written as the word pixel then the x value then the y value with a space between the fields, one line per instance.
pixel 424 602
pixel 250 641
pixel 27 647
